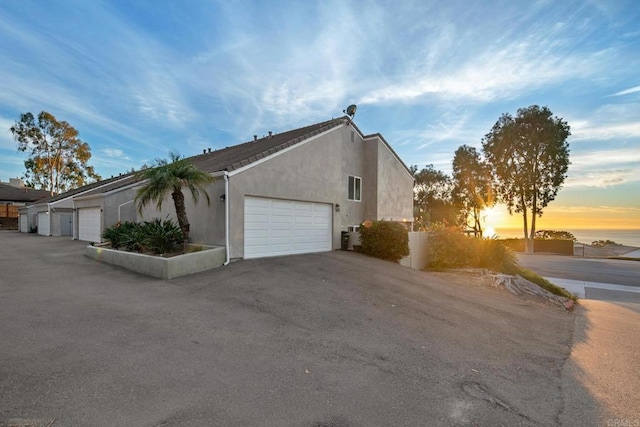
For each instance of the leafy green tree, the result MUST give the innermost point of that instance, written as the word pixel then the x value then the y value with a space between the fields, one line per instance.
pixel 472 187
pixel 172 177
pixel 58 158
pixel 432 200
pixel 529 157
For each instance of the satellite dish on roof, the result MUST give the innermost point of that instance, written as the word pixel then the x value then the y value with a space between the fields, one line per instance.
pixel 351 110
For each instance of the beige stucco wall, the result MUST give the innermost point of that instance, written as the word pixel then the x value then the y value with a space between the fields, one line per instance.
pixel 206 222
pixel 395 186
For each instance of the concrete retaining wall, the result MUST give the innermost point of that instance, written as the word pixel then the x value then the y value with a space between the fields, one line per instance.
pixel 163 268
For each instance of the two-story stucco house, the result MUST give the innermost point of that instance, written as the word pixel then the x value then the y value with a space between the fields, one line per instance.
pixel 286 193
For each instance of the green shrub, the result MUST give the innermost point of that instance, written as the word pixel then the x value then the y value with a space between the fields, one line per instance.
pixel 447 247
pixel 157 236
pixel 384 239
pixel 494 255
pixel 161 237
pixel 450 248
pixel 118 233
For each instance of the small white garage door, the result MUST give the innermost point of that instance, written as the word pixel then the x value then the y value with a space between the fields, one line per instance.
pixel 43 223
pixel 285 227
pixel 24 223
pixel 89 224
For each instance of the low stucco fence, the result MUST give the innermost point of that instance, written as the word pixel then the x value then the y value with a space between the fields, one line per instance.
pixel 417 258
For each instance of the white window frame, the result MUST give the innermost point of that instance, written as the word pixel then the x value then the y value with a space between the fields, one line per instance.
pixel 357 184
pixel 353 228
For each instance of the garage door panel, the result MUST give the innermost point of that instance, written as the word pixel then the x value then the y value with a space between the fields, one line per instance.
pixel 285 227
pixel 89 224
pixel 44 225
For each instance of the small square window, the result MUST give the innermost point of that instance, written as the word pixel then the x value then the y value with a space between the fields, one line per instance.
pixel 353 228
pixel 355 184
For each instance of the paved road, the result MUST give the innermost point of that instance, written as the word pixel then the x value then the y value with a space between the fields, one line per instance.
pixel 333 339
pixel 617 272
pixel 604 365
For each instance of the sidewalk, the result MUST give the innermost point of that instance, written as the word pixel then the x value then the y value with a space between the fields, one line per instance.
pixel 598 291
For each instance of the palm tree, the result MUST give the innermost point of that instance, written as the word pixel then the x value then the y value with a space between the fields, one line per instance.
pixel 164 177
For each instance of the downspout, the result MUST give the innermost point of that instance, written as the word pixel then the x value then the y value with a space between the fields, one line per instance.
pixel 226 216
pixel 49 217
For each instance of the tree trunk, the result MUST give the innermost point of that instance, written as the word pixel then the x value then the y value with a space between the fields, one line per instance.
pixel 478 221
pixel 533 223
pixel 181 213
pixel 528 244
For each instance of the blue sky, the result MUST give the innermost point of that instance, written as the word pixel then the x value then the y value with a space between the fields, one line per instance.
pixel 141 78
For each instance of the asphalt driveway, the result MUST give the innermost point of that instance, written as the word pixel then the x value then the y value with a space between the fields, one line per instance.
pixel 333 339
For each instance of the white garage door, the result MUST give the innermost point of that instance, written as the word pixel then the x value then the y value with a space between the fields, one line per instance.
pixel 43 223
pixel 24 223
pixel 285 227
pixel 89 224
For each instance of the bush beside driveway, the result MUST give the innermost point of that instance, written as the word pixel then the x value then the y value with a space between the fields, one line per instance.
pixel 314 340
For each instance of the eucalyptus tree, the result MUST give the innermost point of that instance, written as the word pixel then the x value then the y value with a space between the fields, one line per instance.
pixel 529 157
pixel 472 187
pixel 58 158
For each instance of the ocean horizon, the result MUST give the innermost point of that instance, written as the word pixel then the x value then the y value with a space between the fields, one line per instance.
pixel 627 237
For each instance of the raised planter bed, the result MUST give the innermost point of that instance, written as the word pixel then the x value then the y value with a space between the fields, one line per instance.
pixel 156 266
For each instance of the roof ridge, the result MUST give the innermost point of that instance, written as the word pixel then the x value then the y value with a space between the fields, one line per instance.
pixel 321 127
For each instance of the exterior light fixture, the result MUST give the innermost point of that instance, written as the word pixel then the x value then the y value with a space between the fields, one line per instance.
pixel 223 197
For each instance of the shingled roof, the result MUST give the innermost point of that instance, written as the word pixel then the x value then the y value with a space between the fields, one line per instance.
pixel 237 156
pixel 9 193
pixel 225 159
pixel 83 189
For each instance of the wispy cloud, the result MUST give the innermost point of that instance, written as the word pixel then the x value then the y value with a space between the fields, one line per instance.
pixel 6 138
pixel 604 167
pixel 627 91
pixel 502 71
pixel 115 153
pixel 602 178
pixel 610 121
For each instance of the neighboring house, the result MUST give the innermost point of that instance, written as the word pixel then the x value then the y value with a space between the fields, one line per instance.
pixel 295 192
pixel 14 194
pixel 57 215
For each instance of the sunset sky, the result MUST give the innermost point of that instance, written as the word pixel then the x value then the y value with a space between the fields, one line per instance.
pixel 139 79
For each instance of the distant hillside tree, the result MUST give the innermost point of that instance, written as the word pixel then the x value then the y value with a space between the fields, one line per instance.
pixel 529 157
pixel 554 234
pixel 472 187
pixel 58 158
pixel 604 243
pixel 432 198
